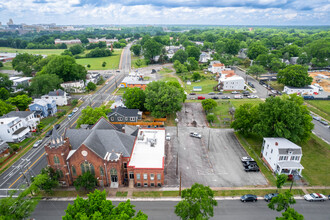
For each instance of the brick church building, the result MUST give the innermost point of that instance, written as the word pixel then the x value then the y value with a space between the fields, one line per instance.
pixel 134 157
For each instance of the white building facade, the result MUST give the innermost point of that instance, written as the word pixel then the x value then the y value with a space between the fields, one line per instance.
pixel 231 82
pixel 216 67
pixel 13 130
pixel 28 118
pixel 75 87
pixel 59 96
pixel 282 156
pixel 308 90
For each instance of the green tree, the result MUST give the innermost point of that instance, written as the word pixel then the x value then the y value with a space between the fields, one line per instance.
pixel 178 86
pixel 97 52
pixel 280 180
pixel 193 51
pixel 220 47
pixel 67 52
pixel 5 82
pixel 290 214
pixel 43 84
pixel 96 206
pixel 88 66
pixel 87 181
pixel 24 63
pixel 136 49
pixel 163 99
pixel 179 68
pixel 294 75
pixel 4 94
pixel 139 63
pixel 74 102
pixel 76 49
pixel 276 65
pixel 246 62
pixel 65 67
pixel 21 101
pixel 245 118
pixel 40 126
pixel 197 203
pixel 285 117
pixel 319 51
pixel 134 98
pixel 181 56
pixel 255 50
pixel 282 201
pixel 211 117
pixel 196 76
pixel 47 180
pixel 151 48
pixel 104 64
pixel 209 104
pixel 192 64
pixel 91 86
pixel 1 64
pixel 256 70
pixel 90 116
pixel 232 46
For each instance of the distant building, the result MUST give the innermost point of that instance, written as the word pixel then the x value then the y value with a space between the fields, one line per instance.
pixel 205 57
pixel 229 81
pixel 308 90
pixel 216 67
pixel 75 41
pixel 242 53
pixel 121 114
pixel 20 82
pixel 13 130
pixel 74 86
pixel 59 96
pixel 43 107
pixel 28 118
pixel 7 57
pixel 282 156
pixel 134 81
pixel 107 41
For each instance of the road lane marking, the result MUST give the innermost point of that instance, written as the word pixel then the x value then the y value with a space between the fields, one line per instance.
pixel 27 169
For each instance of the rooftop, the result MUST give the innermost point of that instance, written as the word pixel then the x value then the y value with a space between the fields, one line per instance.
pixel 20 114
pixel 149 149
pixel 58 92
pixel 125 112
pixel 7 120
pixel 281 143
pixel 218 64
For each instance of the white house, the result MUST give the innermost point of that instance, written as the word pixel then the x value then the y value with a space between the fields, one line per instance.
pixel 59 96
pixel 74 86
pixel 13 130
pixel 282 156
pixel 20 82
pixel 28 118
pixel 93 77
pixel 231 82
pixel 308 90
pixel 216 67
pixel 204 57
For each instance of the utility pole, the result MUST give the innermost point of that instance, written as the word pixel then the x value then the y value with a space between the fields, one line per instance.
pixel 208 142
pixel 26 179
pixel 180 185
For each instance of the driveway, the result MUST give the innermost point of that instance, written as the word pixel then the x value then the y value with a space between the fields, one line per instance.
pixel 192 115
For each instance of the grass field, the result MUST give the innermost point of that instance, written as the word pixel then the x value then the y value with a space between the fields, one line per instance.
pixel 276 85
pixel 134 59
pixel 207 84
pixel 7 66
pixel 96 63
pixel 121 194
pixel 323 191
pixel 32 51
pixel 320 107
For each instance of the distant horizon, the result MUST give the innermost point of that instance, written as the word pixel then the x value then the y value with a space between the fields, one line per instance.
pixel 174 12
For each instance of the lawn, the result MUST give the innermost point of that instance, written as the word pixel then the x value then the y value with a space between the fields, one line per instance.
pixel 276 85
pixel 322 191
pixel 238 102
pixel 134 59
pixel 206 84
pixel 315 159
pixel 7 66
pixel 121 194
pixel 155 194
pixel 96 63
pixel 320 107
pixel 121 91
pixel 165 70
pixel 32 51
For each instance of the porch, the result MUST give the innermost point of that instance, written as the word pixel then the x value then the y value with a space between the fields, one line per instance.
pixel 289 167
pixel 20 134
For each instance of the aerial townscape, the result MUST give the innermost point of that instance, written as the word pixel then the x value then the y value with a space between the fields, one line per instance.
pixel 165 110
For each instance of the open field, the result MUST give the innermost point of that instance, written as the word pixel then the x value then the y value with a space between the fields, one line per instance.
pixel 96 63
pixel 6 66
pixel 134 59
pixel 320 107
pixel 32 51
pixel 276 85
pixel 207 84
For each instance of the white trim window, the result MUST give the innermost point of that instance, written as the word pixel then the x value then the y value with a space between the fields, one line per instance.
pixel 152 176
pixel 159 176
pixel 112 118
pixel 145 176
pixel 132 118
pixel 119 118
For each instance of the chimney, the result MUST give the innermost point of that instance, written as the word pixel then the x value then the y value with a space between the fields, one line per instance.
pixel 57 93
pixel 276 144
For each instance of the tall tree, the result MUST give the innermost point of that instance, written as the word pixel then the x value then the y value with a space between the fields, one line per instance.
pixel 21 101
pixel 43 84
pixel 136 49
pixel 90 86
pixel 151 48
pixel 319 51
pixel 209 104
pixel 232 46
pixel 294 75
pixel 193 51
pixel 87 181
pixel 197 203
pixel 24 63
pixel 163 99
pixel 282 201
pixel 91 116
pixel 255 50
pixel 4 93
pixel 280 180
pixel 245 118
pixel 181 56
pixel 290 214
pixel 256 70
pixel 5 82
pixel 134 98
pixel 96 206
pixel 76 49
pixel 47 180
pixel 5 108
pixel 192 64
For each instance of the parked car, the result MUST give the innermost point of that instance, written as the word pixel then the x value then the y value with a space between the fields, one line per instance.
pixel 248 163
pixel 214 97
pixel 225 97
pixel 211 93
pixel 168 137
pixel 251 168
pixel 219 93
pixel 252 97
pixel 196 135
pixel 49 133
pixel 201 97
pixel 192 93
pixel 246 93
pixel 238 97
pixel 315 197
pixel 249 198
pixel 57 126
pixel 269 196
pixel 70 115
pixel 37 143
pixel 243 159
pixel 316 118
pixel 75 110
pixel 250 84
pixel 324 122
pixel 235 92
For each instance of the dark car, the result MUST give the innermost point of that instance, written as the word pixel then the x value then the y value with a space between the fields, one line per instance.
pixel 249 198
pixel 211 93
pixel 219 93
pixel 225 97
pixel 192 93
pixel 248 163
pixel 57 126
pixel 250 84
pixel 246 93
pixel 252 168
pixel 49 133
pixel 215 97
pixel 269 196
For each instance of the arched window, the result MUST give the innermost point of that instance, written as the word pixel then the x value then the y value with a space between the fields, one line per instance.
pixel 56 160
pixel 74 172
pixel 86 166
pixel 113 171
pixel 60 173
pixel 101 171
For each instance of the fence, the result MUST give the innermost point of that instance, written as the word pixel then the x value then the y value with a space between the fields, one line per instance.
pixel 141 123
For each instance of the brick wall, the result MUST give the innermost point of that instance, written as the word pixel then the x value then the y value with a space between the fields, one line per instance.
pixel 142 181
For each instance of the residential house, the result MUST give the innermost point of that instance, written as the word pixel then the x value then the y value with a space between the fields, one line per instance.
pixel 121 114
pixel 229 81
pixel 307 90
pixel 20 82
pixel 28 118
pixel 242 53
pixel 204 57
pixel 74 86
pixel 93 77
pixel 216 67
pixel 43 107
pixel 132 82
pixel 12 129
pixel 114 158
pixel 59 96
pixel 75 41
pixel 282 156
pixel 171 50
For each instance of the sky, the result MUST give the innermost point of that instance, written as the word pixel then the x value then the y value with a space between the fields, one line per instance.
pixel 198 12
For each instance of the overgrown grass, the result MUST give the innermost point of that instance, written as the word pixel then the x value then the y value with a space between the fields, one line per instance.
pixel 276 85
pixel 206 84
pixel 64 193
pixel 320 107
pixel 257 192
pixel 121 194
pixel 325 192
pixel 155 194
pixel 165 70
pixel 121 91
pixel 32 51
pixel 170 120
pixel 96 62
pixel 7 66
pixel 238 102
pixel 134 59
pixel 48 120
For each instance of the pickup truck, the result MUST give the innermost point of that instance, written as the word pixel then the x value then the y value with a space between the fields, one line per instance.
pixel 196 135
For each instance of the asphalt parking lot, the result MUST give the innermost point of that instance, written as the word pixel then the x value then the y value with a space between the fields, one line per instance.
pixel 213 160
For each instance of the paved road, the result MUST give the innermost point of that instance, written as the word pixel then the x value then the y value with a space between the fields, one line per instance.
pixel 226 209
pixel 321 131
pixel 34 160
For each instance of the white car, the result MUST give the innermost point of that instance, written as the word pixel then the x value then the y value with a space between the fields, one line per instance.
pixel 75 110
pixel 315 197
pixel 245 159
pixel 37 143
pixel 238 97
pixel 252 97
pixel 196 135
pixel 168 137
pixel 235 92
